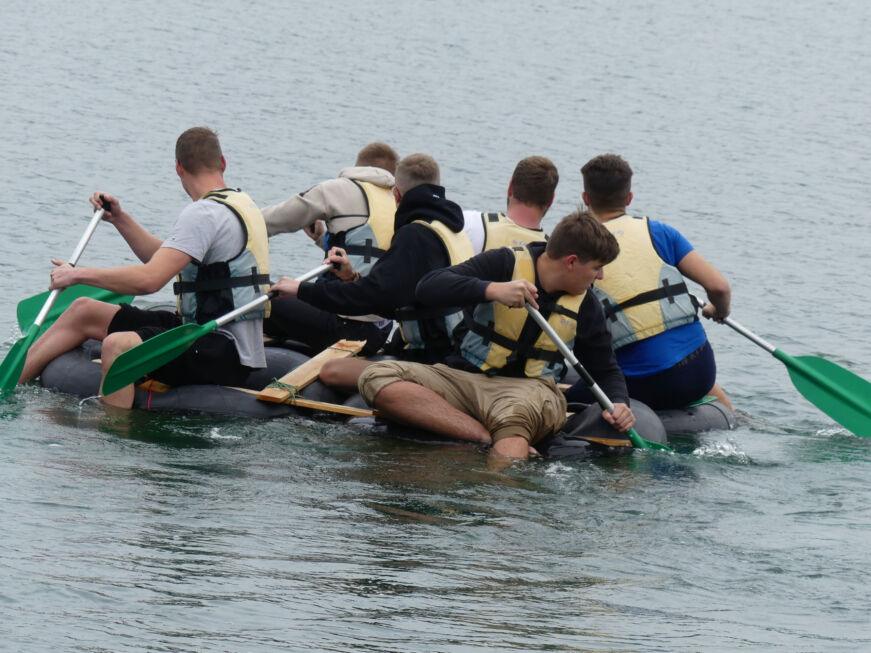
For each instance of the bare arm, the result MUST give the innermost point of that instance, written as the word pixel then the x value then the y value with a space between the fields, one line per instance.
pixel 127 280
pixel 140 240
pixel 695 267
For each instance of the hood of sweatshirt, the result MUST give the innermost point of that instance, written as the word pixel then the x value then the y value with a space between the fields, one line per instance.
pixel 427 202
pixel 377 176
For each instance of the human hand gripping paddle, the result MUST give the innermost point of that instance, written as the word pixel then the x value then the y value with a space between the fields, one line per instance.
pixel 10 369
pixel 637 441
pixel 835 390
pixel 167 346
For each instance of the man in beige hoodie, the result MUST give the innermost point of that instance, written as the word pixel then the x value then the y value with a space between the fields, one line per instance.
pixel 355 211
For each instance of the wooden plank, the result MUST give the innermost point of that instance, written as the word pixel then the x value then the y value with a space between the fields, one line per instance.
pixel 322 406
pixel 279 391
pixel 325 407
pixel 154 386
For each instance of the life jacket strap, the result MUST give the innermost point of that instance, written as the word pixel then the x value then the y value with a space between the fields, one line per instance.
pixel 210 285
pixel 366 250
pixel 666 291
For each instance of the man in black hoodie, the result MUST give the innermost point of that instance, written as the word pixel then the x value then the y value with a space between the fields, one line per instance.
pixel 428 235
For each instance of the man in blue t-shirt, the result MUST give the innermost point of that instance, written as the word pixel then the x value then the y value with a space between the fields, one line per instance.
pixel 660 344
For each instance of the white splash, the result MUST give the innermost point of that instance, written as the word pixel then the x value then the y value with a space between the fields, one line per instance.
pixel 215 434
pixel 727 450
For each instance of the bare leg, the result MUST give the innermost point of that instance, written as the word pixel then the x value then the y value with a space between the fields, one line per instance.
pixel 721 396
pixel 415 405
pixel 507 450
pixel 85 318
pixel 343 373
pixel 114 345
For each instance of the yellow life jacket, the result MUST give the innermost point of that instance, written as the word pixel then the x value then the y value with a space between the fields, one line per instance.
pixel 641 294
pixel 368 242
pixel 432 328
pixel 500 231
pixel 500 336
pixel 208 291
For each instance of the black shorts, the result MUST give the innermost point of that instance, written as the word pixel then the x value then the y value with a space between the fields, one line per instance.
pixel 213 359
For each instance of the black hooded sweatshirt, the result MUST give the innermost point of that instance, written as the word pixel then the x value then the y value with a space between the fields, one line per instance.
pixel 414 251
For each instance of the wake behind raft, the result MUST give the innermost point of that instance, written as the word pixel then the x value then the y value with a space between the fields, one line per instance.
pixel 585 433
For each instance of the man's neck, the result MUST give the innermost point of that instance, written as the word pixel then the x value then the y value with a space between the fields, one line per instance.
pixel 524 215
pixel 199 185
pixel 604 216
pixel 546 272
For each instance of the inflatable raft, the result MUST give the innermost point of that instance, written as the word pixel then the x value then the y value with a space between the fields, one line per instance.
pixel 78 373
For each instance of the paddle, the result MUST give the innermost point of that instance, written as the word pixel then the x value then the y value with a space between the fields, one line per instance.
pixel 637 441
pixel 29 308
pixel 169 345
pixel 835 390
pixel 13 364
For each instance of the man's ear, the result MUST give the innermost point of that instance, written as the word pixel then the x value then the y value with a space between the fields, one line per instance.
pixel 628 199
pixel 179 170
pixel 585 198
pixel 223 163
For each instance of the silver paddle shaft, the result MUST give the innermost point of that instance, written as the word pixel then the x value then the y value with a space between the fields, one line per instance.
pixel 569 355
pixel 77 254
pixel 250 306
pixel 744 331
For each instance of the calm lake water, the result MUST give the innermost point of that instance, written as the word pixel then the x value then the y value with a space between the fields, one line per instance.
pixel 747 124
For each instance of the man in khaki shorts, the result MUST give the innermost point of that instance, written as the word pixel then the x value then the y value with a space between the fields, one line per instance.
pixel 499 388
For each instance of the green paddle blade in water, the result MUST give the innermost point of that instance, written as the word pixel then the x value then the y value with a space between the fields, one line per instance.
pixel 29 308
pixel 640 443
pixel 13 364
pixel 153 353
pixel 835 390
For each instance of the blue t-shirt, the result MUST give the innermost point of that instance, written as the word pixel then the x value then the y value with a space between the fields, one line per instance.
pixel 662 351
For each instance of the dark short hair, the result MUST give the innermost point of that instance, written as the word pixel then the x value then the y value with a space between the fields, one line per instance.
pixel 415 170
pixel 579 233
pixel 534 181
pixel 607 182
pixel 198 149
pixel 378 155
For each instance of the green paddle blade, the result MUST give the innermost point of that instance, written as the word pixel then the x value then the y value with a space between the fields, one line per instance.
pixel 640 443
pixel 153 353
pixel 29 308
pixel 835 390
pixel 10 368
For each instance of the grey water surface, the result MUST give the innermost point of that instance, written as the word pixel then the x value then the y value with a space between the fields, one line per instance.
pixel 747 124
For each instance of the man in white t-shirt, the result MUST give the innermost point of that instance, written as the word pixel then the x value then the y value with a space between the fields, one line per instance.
pixel 530 194
pixel 221 238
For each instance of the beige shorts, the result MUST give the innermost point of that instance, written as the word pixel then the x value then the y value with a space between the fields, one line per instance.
pixel 529 408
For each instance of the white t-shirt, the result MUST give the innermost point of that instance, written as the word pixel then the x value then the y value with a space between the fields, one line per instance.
pixel 209 232
pixel 474 228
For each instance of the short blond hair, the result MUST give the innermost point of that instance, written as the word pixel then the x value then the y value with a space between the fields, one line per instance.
pixel 378 155
pixel 415 170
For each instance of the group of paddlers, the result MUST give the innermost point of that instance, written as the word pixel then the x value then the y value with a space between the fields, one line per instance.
pixel 440 295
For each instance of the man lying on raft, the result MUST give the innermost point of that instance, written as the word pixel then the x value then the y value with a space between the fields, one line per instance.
pixel 661 345
pixel 530 193
pixel 499 388
pixel 355 212
pixel 428 235
pixel 208 246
